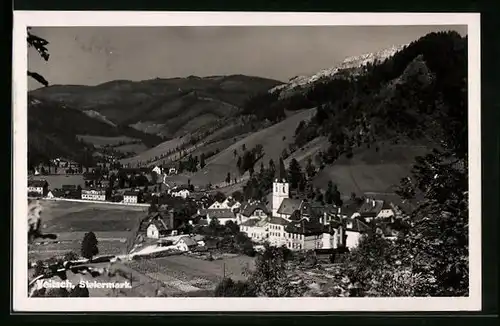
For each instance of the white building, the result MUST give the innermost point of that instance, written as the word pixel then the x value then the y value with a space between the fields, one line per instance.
pixel 94 194
pixel 185 243
pixel 180 192
pixel 131 197
pixel 38 187
pixel 223 215
pixel 256 229
pixel 228 203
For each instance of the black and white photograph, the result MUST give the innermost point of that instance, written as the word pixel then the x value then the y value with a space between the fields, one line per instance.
pixel 328 160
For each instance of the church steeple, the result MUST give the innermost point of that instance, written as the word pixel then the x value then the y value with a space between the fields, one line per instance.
pixel 280 188
pixel 280 174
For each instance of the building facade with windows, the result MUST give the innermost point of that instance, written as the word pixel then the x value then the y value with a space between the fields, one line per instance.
pixel 94 194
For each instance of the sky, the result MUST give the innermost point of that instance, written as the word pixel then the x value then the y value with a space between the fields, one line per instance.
pixel 94 55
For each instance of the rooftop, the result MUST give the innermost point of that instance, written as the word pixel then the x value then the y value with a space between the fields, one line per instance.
pixel 37 183
pixel 221 213
pixel 288 206
pixel 278 221
pixel 249 208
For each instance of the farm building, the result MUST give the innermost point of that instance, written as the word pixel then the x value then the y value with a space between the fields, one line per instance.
pixel 94 194
pixel 132 197
pixel 157 224
pixel 156 229
pixel 222 215
pixel 38 188
pixel 185 244
pixel 181 191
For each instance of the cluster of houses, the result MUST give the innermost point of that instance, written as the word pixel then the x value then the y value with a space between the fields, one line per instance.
pixel 295 223
pixel 302 225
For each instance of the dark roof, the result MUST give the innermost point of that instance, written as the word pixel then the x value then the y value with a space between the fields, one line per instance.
pixel 37 183
pixel 278 220
pixel 188 241
pixel 91 176
pixel 221 213
pixel 248 209
pixel 181 187
pixel 160 225
pixel 350 207
pixel 250 222
pixel 358 226
pixel 306 227
pixel 371 206
pixel 288 206
pixel 131 193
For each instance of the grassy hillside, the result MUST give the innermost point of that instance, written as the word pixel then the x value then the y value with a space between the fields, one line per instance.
pixel 169 107
pixel 372 122
pixel 273 139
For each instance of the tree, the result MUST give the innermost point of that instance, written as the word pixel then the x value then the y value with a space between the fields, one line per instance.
pixel 235 153
pixel 89 246
pixel 154 177
pixel 40 45
pixel 70 256
pixel 238 164
pixel 310 168
pixel 202 160
pixel 319 195
pixel 153 207
pixel 329 193
pixel 269 278
pixel 243 147
pixel 219 197
pixel 272 167
pixel 228 178
pixel 237 195
pixel 259 150
pixel 228 288
pixel 295 174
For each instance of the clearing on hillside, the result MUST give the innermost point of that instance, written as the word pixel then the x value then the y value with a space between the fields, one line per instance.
pixel 273 139
pixel 371 170
pixel 100 141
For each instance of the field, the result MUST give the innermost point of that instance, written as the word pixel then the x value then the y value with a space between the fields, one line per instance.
pixel 100 141
pixel 189 274
pixel 134 148
pixel 112 225
pixel 155 151
pixel 58 180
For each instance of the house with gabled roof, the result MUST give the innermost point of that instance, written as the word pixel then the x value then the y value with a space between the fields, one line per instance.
pixel 253 209
pixel 38 188
pixel 185 243
pixel 369 209
pixel 222 215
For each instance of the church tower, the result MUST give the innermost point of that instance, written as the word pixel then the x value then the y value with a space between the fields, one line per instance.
pixel 280 188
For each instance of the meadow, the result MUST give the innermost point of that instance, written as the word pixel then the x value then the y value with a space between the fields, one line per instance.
pixel 112 225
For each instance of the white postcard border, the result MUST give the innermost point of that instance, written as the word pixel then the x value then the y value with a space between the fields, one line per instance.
pixel 23 19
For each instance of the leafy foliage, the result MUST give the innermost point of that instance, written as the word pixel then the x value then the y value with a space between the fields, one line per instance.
pixel 89 245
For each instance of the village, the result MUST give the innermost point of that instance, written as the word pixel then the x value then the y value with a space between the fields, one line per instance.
pixel 297 223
